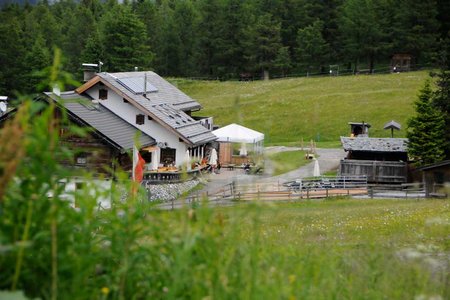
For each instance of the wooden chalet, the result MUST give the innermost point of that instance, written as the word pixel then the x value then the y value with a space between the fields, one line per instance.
pixel 435 177
pixel 117 109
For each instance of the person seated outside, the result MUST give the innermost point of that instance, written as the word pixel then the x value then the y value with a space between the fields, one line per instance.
pixel 247 168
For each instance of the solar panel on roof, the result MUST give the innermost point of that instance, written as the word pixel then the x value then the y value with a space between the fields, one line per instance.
pixel 137 84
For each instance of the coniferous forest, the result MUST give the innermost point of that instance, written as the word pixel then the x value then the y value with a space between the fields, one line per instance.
pixel 217 38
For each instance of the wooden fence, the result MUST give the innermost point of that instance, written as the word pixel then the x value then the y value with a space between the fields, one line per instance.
pixel 322 187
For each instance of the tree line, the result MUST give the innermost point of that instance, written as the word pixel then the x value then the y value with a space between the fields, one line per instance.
pixel 216 38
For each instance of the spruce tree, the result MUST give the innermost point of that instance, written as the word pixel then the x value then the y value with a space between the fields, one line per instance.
pixel 209 36
pixel 125 37
pixel 441 96
pixel 426 130
pixel 93 51
pixel 266 43
pixel 361 33
pixel 283 60
pixel 37 59
pixel 311 48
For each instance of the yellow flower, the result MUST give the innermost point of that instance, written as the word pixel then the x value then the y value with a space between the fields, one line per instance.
pixel 105 290
pixel 291 278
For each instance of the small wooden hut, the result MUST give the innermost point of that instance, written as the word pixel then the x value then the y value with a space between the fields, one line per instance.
pixel 435 176
pixel 382 160
pixel 401 62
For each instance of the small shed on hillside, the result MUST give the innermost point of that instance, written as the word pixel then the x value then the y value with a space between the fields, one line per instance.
pixel 401 62
pixel 234 133
pixel 435 176
pixel 382 160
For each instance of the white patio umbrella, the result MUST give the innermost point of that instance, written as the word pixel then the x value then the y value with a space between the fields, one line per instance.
pixel 213 157
pixel 187 160
pixel 243 150
pixel 316 171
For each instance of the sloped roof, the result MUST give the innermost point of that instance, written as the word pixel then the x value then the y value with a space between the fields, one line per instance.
pixel 115 129
pixel 374 144
pixel 435 165
pixel 165 92
pixel 238 134
pixel 164 103
pixel 392 124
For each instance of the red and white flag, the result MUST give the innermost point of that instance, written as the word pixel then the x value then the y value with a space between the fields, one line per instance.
pixel 138 166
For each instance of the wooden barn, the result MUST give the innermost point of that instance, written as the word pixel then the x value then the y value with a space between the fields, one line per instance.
pixel 435 176
pixel 382 160
pixel 401 62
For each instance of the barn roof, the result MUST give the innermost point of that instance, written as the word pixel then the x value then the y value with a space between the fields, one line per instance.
pixel 435 165
pixel 374 144
pixel 118 132
pixel 161 100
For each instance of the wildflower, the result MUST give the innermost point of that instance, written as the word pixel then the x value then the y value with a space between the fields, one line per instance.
pixel 105 290
pixel 291 278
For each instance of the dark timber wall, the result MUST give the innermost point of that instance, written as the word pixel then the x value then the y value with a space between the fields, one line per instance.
pixel 376 171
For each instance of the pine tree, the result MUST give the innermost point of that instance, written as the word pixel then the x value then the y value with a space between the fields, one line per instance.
pixel 266 43
pixel 236 18
pixel 93 51
pixel 209 36
pixel 125 37
pixel 441 96
pixel 426 130
pixel 360 30
pixel 417 29
pixel 167 48
pixel 283 60
pixel 81 27
pixel 185 18
pixel 12 51
pixel 311 47
pixel 37 59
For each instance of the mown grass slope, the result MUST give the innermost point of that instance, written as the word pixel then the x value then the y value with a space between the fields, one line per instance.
pixel 287 110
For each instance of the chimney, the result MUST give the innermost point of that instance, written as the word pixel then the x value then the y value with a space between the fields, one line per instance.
pixel 56 90
pixel 89 71
pixel 145 84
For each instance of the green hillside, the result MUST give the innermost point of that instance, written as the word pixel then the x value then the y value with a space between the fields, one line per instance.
pixel 287 110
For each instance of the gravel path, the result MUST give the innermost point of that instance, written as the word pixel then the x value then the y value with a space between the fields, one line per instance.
pixel 328 160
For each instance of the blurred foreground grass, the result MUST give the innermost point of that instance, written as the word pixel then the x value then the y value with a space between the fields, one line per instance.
pixel 333 249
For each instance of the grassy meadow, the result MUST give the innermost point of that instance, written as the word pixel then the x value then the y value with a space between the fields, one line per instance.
pixel 287 110
pixel 287 161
